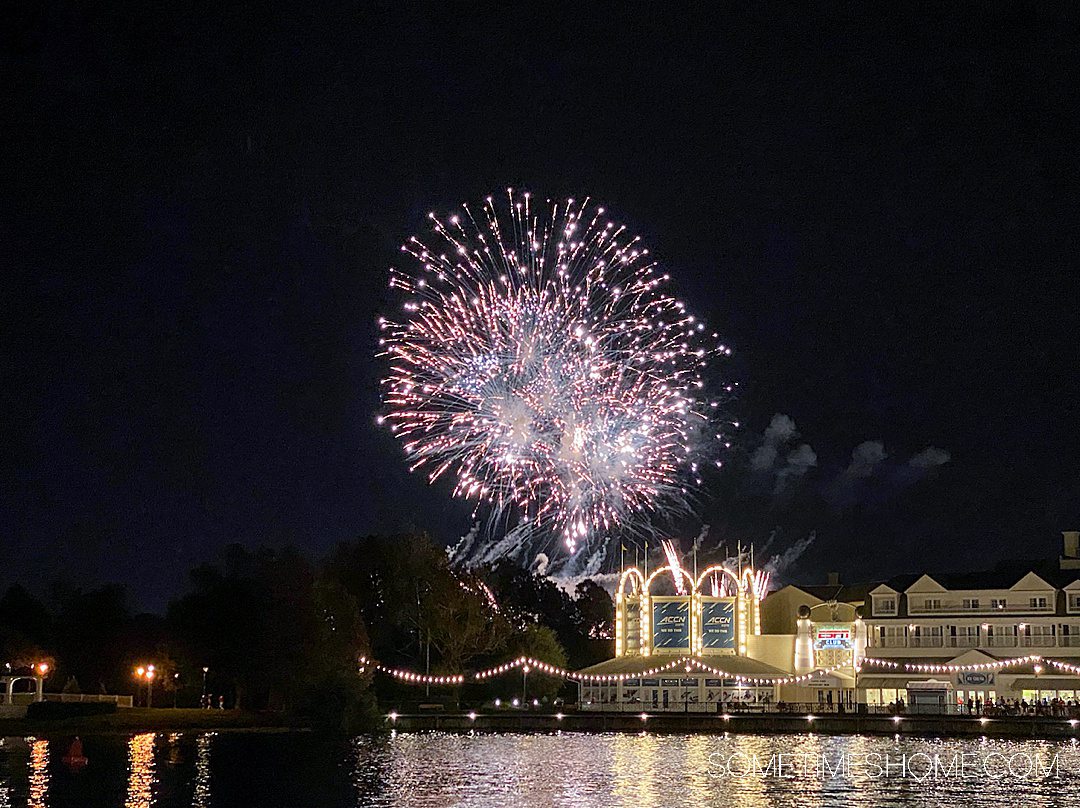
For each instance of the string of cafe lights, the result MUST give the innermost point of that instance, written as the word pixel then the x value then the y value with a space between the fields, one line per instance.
pixel 529 664
pixel 1065 666
pixel 949 668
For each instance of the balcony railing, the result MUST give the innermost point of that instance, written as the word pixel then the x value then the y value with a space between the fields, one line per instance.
pixel 956 608
pixel 983 641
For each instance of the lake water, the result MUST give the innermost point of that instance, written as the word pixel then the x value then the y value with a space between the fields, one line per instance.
pixel 435 769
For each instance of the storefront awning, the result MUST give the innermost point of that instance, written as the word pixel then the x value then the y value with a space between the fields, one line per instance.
pixel 874 682
pixel 1046 683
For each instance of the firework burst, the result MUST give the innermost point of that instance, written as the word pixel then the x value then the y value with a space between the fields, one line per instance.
pixel 539 362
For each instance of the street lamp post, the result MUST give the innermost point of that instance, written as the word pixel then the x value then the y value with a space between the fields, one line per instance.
pixel 205 670
pixel 146 673
pixel 686 693
pixel 524 684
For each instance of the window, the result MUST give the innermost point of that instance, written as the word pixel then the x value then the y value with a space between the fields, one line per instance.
pixel 891 636
pixel 964 636
pixel 1037 603
pixel 1074 600
pixel 997 603
pixel 971 603
pixel 932 603
pixel 885 605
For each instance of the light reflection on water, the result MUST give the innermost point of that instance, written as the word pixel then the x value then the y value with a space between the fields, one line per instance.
pixel 39 772
pixel 647 770
pixel 201 796
pixel 140 790
pixel 204 770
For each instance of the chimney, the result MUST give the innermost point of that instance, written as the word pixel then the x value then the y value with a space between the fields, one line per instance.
pixel 834 579
pixel 1071 540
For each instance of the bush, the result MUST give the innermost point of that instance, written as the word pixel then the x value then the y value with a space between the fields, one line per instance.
pixel 70 709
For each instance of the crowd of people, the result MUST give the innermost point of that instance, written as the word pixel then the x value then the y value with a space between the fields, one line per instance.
pixel 1055 707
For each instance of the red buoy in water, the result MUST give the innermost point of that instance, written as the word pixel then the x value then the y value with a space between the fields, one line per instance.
pixel 75 759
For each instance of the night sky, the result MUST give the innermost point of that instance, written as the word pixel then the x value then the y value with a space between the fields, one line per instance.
pixel 879 213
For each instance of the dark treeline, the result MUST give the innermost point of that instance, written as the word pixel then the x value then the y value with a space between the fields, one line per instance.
pixel 278 632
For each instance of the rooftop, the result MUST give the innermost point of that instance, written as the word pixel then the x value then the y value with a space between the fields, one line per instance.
pixel 741 666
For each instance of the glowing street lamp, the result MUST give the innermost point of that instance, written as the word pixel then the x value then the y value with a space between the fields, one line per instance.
pixel 146 673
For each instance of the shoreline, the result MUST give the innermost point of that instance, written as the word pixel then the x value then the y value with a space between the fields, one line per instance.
pixel 140 720
pixel 761 724
pixel 135 720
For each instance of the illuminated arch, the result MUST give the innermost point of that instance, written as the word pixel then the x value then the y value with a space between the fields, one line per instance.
pixel 717 568
pixel 680 570
pixel 756 582
pixel 631 572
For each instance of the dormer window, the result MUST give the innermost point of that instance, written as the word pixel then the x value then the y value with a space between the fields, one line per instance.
pixel 971 603
pixel 886 605
pixel 932 604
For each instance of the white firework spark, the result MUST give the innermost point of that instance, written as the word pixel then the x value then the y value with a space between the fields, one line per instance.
pixel 539 361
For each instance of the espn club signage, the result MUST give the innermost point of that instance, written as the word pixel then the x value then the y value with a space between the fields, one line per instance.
pixel 832 638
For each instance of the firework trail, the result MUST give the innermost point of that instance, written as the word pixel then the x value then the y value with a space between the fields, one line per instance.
pixel 538 361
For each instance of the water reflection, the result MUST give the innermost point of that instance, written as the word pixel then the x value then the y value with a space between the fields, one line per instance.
pixel 39 772
pixel 634 769
pixel 201 796
pixel 140 791
pixel 572 769
pixel 696 769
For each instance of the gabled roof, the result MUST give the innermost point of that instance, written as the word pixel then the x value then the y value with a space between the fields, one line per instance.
pixel 841 593
pixel 1032 579
pixel 900 583
pixel 973 656
pixel 742 666
pixel 1003 575
pixel 927 583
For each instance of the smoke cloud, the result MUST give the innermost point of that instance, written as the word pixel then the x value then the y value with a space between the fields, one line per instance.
pixel 780 431
pixel 930 457
pixel 865 459
pixel 779 564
